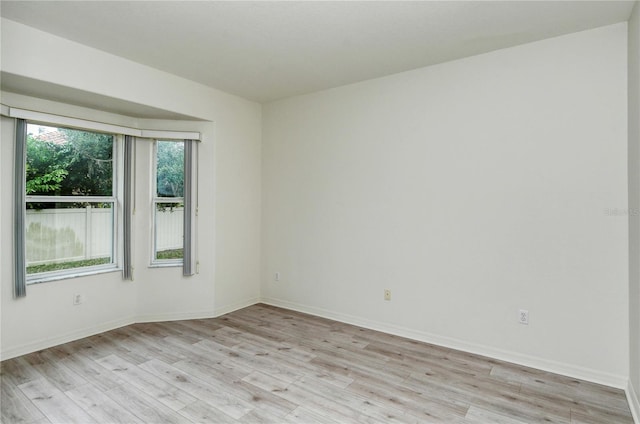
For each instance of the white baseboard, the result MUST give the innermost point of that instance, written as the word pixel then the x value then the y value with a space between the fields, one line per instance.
pixel 225 309
pixel 111 325
pixel 176 316
pixel 91 331
pixel 66 338
pixel 202 314
pixel 569 370
pixel 634 405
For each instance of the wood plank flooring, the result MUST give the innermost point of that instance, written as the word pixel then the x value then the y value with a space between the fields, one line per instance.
pixel 263 364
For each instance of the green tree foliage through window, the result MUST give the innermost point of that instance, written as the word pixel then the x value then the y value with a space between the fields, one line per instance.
pixel 170 169
pixel 45 172
pixel 66 162
pixel 90 163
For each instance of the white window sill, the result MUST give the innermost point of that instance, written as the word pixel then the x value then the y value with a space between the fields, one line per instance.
pixel 61 275
pixel 165 264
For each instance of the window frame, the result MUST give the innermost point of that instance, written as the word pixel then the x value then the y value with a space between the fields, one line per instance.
pixel 155 199
pixel 116 211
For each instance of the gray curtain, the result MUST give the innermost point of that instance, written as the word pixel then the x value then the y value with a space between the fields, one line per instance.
pixel 188 267
pixel 20 151
pixel 127 208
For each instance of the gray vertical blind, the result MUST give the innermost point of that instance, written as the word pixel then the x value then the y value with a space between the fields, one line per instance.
pixel 20 150
pixel 127 209
pixel 188 266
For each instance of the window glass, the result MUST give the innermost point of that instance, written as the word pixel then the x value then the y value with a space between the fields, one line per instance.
pixel 68 235
pixel 170 169
pixel 69 199
pixel 66 162
pixel 169 219
pixel 168 207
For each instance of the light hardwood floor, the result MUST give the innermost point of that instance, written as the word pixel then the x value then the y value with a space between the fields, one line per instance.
pixel 263 364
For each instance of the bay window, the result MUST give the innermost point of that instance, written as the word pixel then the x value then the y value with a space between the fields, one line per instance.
pixel 74 198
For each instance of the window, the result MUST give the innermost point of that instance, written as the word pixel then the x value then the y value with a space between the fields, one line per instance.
pixel 70 200
pixel 74 198
pixel 168 203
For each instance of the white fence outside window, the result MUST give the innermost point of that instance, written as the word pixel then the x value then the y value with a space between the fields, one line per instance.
pixel 64 235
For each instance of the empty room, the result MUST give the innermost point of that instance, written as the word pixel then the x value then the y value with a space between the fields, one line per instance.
pixel 320 212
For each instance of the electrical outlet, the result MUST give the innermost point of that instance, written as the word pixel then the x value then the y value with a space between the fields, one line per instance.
pixel 277 276
pixel 387 294
pixel 78 299
pixel 523 316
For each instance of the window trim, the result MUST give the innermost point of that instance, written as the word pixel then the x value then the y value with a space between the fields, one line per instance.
pixel 45 277
pixel 104 127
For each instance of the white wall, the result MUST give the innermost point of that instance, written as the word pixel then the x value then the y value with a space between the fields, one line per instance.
pixel 469 189
pixel 228 239
pixel 634 206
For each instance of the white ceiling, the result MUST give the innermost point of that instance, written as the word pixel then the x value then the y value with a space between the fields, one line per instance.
pixel 270 50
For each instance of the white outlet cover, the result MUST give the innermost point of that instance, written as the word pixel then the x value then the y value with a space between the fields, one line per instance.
pixel 523 316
